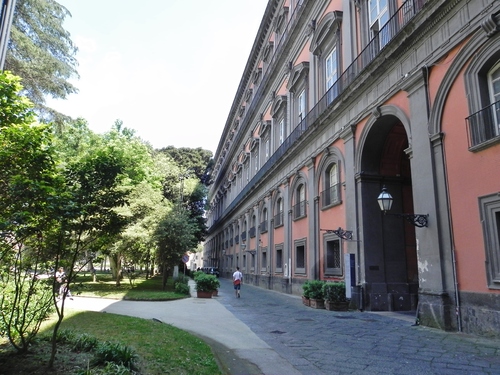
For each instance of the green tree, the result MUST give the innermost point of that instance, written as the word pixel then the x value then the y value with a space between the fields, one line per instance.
pixel 41 51
pixel 29 191
pixel 193 160
pixel 175 236
pixel 88 216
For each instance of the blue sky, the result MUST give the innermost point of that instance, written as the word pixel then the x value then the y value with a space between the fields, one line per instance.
pixel 167 68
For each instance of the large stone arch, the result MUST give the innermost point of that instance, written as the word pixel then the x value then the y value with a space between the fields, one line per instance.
pixel 388 264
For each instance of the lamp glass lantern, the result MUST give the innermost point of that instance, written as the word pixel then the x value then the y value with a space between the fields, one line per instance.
pixel 385 200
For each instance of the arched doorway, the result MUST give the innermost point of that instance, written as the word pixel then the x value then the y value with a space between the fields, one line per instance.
pixel 389 270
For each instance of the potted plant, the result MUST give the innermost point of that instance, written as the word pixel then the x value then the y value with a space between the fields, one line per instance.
pixel 306 290
pixel 316 294
pixel 334 294
pixel 206 285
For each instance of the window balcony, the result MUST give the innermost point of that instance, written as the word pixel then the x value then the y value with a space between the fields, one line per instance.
pixel 244 236
pixel 263 227
pixel 299 210
pixel 252 232
pixel 330 196
pixel 278 220
pixel 484 126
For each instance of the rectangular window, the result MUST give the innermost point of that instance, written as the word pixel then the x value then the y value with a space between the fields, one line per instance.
pixel 264 261
pixel 379 16
pixel 301 259
pixel 281 131
pixel 331 75
pixel 267 149
pixel 490 217
pixel 333 257
pixel 301 105
pixel 300 256
pixel 279 259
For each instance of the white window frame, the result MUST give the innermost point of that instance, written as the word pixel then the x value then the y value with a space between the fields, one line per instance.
pixel 378 13
pixel 494 89
pixel 301 105
pixel 331 69
pixel 281 131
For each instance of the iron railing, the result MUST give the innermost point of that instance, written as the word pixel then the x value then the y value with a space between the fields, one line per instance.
pixel 299 210
pixel 483 125
pixel 330 196
pixel 263 226
pixel 278 219
pixel 252 232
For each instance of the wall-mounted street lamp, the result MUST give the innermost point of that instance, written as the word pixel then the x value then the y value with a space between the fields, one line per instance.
pixel 385 202
pixel 341 233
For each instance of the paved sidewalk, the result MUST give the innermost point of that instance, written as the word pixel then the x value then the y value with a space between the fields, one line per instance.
pixel 266 332
pixel 238 350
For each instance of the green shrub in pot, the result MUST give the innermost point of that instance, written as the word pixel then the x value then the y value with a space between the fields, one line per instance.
pixel 334 291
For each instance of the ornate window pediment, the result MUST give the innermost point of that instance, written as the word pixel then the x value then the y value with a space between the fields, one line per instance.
pixel 327 29
pixel 248 95
pixel 278 104
pixel 264 128
pixel 268 51
pixel 254 143
pixel 256 75
pixel 282 18
pixel 299 74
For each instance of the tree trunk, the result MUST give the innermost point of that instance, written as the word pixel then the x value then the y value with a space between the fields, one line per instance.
pixel 164 276
pixel 115 261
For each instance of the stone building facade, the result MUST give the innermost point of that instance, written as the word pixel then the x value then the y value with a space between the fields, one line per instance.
pixel 340 100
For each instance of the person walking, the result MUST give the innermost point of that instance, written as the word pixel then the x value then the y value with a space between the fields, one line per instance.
pixel 63 283
pixel 237 279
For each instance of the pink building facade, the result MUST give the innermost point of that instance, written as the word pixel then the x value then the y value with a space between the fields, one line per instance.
pixel 339 100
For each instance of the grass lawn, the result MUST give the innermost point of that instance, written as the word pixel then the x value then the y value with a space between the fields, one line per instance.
pixel 139 289
pixel 160 348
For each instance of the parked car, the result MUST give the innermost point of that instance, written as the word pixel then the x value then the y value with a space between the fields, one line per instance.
pixel 213 271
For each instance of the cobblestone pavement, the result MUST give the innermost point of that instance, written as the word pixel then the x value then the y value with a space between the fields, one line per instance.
pixel 327 342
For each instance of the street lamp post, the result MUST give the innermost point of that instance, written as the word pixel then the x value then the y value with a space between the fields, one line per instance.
pixel 385 202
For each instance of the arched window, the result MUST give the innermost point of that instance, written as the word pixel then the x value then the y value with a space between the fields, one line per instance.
pixel 299 209
pixel 263 223
pixel 253 225
pixel 331 192
pixel 482 86
pixel 244 232
pixel 278 217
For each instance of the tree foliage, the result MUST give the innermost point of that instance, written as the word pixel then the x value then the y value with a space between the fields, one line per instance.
pixel 67 194
pixel 195 161
pixel 41 51
pixel 29 191
pixel 175 236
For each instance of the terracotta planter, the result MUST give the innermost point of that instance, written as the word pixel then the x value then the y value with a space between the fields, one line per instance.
pixel 215 293
pixel 317 303
pixel 306 301
pixel 201 294
pixel 337 306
